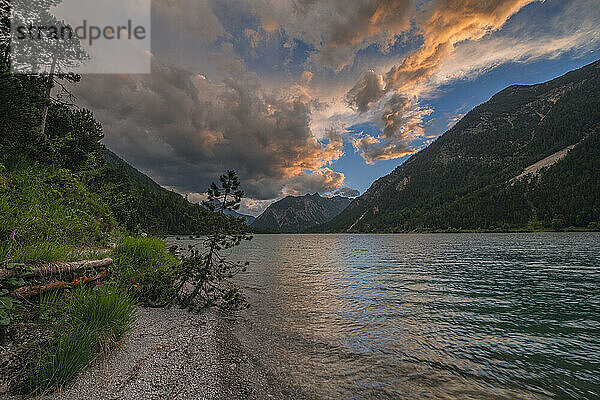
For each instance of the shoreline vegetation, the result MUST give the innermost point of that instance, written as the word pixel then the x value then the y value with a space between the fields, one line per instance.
pixel 57 317
pixel 64 197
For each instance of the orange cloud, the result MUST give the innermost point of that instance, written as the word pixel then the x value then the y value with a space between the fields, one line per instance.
pixel 374 149
pixel 364 21
pixel 323 180
pixel 307 76
pixel 448 23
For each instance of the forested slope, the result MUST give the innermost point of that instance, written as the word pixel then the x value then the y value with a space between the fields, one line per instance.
pixel 464 180
pixel 71 140
pixel 297 213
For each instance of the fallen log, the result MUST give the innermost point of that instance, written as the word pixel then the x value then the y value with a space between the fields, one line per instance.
pixel 29 291
pixel 59 268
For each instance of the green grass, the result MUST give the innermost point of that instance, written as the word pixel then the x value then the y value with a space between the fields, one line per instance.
pixel 144 265
pixel 106 309
pixel 52 212
pixel 86 321
pixel 62 360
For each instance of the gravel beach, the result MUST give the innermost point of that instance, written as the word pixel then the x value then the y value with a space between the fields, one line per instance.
pixel 173 354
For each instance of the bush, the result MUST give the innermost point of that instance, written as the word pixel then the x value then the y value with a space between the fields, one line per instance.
pixel 144 265
pixel 86 321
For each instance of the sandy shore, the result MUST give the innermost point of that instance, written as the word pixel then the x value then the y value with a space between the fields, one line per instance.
pixel 173 354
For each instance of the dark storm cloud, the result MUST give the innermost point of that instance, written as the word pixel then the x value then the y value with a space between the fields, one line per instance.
pixel 185 130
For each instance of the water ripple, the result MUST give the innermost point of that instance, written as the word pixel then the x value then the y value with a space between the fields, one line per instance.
pixel 464 316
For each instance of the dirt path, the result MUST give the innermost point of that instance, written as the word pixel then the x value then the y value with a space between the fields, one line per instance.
pixel 173 354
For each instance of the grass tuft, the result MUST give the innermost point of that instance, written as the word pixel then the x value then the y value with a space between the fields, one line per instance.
pixel 143 265
pixel 86 321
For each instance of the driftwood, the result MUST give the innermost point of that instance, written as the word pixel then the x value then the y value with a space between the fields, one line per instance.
pixel 59 268
pixel 28 291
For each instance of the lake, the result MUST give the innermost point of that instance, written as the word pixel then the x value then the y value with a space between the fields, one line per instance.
pixel 452 316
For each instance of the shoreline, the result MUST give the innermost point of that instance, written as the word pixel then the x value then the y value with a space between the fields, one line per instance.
pixel 175 354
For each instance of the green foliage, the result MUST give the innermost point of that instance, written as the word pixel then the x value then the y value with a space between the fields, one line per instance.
pixel 62 360
pixel 142 207
pixel 51 211
pixel 22 100
pixel 208 272
pixel 106 309
pixel 144 266
pixel 7 303
pixel 86 320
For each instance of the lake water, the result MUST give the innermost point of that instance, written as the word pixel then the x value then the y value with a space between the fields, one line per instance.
pixel 456 316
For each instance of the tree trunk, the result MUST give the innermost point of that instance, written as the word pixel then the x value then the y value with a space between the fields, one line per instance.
pixel 59 268
pixel 29 291
pixel 48 92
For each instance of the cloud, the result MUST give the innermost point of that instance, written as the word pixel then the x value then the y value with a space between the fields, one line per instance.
pixel 186 130
pixel 307 77
pixel 346 192
pixel 453 119
pixel 448 23
pixel 373 148
pixel 444 25
pixel 188 17
pixel 572 31
pixel 369 89
pixel 403 118
pixel 254 207
pixel 336 29
pixel 254 38
pixel 322 180
pixel 364 23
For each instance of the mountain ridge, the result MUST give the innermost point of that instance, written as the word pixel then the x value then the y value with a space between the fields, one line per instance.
pixel 297 213
pixel 460 181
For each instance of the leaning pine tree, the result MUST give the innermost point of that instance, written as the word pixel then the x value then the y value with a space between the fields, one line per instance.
pixel 205 275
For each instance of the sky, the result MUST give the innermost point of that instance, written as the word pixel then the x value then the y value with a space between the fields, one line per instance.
pixel 305 96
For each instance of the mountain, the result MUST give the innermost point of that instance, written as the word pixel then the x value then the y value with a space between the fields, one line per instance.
pixel 529 158
pixel 139 177
pixel 248 219
pixel 295 214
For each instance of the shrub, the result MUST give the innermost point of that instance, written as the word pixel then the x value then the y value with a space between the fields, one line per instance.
pixel 106 309
pixel 144 265
pixel 85 320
